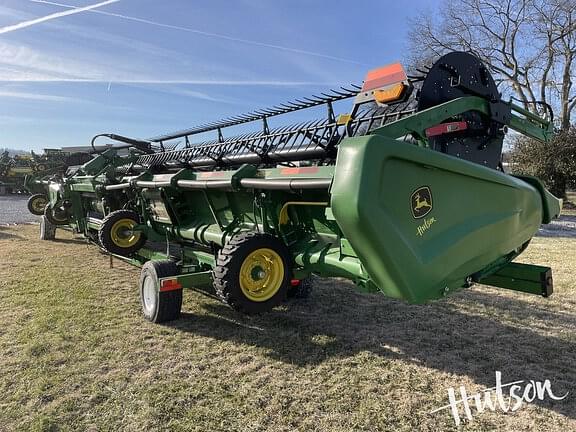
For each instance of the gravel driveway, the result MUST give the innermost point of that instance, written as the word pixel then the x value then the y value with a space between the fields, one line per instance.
pixel 13 210
pixel 564 226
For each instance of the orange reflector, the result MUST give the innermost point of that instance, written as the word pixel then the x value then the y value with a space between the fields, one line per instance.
pixel 389 94
pixel 170 285
pixel 384 76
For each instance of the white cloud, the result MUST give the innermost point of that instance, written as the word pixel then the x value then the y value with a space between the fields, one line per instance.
pixel 36 96
pixel 20 63
pixel 7 120
pixel 73 62
pixel 270 83
pixel 76 10
pixel 207 34
pixel 12 13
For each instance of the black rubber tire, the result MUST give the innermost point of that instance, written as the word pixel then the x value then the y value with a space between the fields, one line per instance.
pixel 47 230
pixel 105 237
pixel 55 216
pixel 92 236
pixel 34 204
pixel 302 290
pixel 227 271
pixel 166 305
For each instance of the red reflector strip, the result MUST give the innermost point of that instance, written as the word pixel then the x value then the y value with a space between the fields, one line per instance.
pixel 170 285
pixel 444 128
pixel 211 174
pixel 384 76
pixel 294 282
pixel 302 170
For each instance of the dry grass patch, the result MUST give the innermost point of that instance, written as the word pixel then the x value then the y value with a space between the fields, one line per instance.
pixel 75 353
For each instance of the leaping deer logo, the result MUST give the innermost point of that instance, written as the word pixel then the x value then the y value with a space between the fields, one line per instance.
pixel 420 204
pixel 421 201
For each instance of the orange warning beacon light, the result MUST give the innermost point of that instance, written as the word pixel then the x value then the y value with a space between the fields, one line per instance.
pixel 385 85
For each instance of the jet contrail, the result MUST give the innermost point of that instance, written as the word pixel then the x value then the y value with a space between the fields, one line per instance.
pixel 208 34
pixel 56 15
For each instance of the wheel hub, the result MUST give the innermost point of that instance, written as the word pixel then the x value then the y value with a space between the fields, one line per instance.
pixel 39 204
pixel 261 274
pixel 122 233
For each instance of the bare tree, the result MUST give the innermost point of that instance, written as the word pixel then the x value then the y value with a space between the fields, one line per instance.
pixel 528 44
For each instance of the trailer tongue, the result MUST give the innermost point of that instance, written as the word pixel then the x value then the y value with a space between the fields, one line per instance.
pixel 403 194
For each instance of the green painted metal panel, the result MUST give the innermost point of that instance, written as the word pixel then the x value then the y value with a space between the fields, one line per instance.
pixel 465 218
pixel 325 260
pixel 194 280
pixel 82 187
pixel 551 205
pixel 346 248
pixel 526 278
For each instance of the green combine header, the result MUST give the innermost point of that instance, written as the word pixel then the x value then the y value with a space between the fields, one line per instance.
pixel 29 173
pixel 404 194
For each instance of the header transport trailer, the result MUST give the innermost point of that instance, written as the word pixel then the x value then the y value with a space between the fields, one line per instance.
pixel 404 195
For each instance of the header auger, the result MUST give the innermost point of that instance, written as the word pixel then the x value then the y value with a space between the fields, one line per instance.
pixel 404 195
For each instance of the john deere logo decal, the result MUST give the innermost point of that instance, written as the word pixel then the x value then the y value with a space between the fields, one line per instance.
pixel 421 202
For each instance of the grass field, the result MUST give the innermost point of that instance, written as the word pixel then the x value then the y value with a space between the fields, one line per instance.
pixel 75 353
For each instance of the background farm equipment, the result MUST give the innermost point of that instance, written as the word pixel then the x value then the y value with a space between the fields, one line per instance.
pixel 52 162
pixel 404 195
pixel 29 173
pixel 13 169
pixel 52 166
pixel 85 194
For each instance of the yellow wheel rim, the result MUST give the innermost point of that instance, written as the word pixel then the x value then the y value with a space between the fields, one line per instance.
pixel 261 274
pixel 122 233
pixel 39 204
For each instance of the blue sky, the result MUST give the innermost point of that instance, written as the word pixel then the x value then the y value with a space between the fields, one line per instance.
pixel 145 67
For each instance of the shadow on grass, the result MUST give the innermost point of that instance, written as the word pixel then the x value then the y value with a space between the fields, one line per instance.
pixel 5 235
pixel 339 323
pixel 69 240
